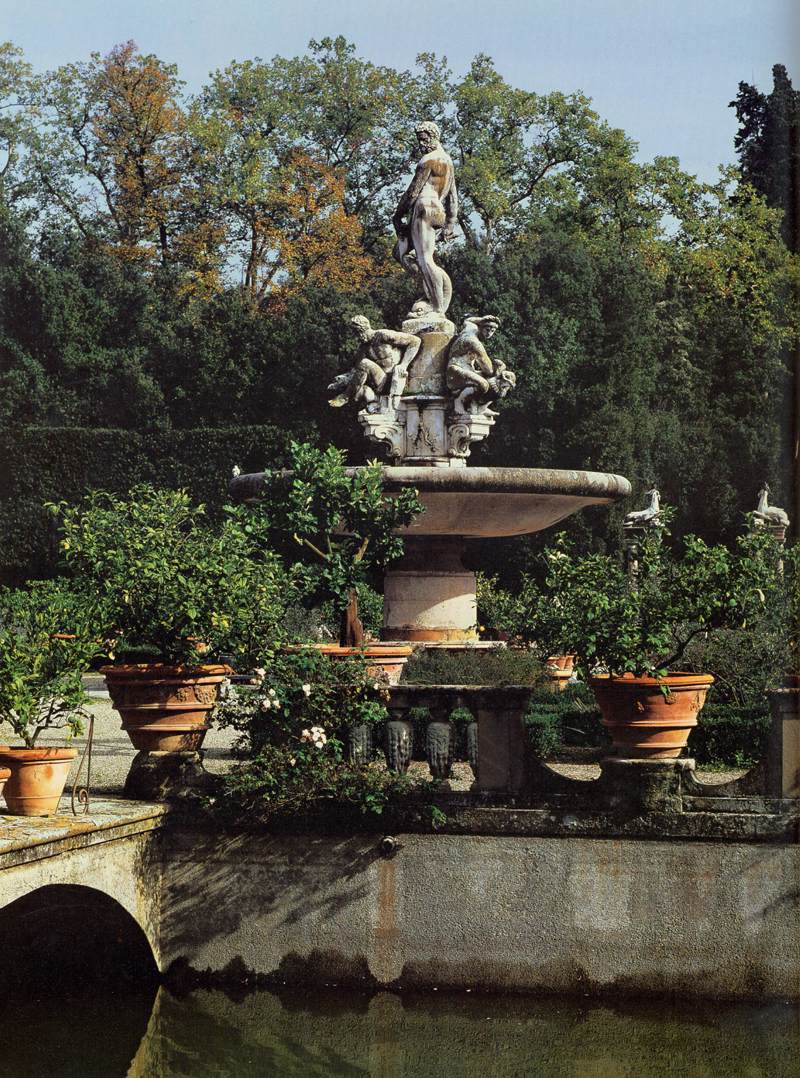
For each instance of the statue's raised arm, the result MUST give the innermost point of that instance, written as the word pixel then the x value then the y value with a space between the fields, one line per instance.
pixel 428 207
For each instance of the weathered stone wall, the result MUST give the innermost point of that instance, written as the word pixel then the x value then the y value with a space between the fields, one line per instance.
pixel 558 914
pixel 543 912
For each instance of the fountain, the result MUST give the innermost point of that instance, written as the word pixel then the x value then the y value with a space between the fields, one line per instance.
pixel 426 394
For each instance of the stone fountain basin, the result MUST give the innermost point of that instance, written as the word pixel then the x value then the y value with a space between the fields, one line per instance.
pixel 476 503
pixel 492 502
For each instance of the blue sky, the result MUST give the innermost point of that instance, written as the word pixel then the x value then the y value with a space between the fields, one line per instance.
pixel 664 71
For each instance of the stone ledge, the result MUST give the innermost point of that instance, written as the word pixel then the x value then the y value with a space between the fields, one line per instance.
pixel 31 838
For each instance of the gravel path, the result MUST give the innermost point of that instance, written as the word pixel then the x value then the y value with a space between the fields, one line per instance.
pixel 112 754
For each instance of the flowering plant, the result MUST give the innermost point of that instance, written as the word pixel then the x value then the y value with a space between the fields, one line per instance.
pixel 290 735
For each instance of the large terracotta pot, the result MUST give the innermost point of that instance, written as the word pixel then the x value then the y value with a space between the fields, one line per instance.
pixel 164 708
pixel 644 722
pixel 37 778
pixel 382 659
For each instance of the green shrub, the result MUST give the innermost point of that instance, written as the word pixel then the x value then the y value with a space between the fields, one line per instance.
pixel 290 740
pixel 473 666
pixel 544 730
pixel 730 735
pixel 48 464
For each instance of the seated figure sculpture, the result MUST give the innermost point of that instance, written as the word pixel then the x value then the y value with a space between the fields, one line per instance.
pixel 381 367
pixel 474 378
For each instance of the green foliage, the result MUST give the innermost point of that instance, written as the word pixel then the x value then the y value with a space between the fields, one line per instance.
pixel 53 464
pixel 731 736
pixel 544 730
pixel 46 642
pixel 340 517
pixel 576 717
pixel 168 580
pixel 650 318
pixel 303 690
pixel 419 714
pixel 588 607
pixel 498 609
pixel 290 731
pixel 473 666
pixel 461 715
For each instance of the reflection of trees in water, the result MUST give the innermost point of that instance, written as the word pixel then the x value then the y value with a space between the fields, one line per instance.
pixel 207 1035
pixel 319 1033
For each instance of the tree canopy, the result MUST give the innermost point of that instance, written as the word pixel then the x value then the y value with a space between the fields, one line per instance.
pixel 189 260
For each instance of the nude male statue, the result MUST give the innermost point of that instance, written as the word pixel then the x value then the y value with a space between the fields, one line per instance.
pixel 471 375
pixel 429 207
pixel 381 367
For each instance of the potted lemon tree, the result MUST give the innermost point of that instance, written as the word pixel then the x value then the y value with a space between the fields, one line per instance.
pixel 45 646
pixel 177 594
pixel 633 642
pixel 342 529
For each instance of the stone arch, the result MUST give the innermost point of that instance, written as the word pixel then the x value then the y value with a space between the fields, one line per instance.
pixel 70 935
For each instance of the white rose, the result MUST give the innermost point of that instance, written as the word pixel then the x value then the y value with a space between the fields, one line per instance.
pixel 307 689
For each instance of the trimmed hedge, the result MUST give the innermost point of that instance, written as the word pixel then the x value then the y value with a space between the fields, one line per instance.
pixel 725 734
pixel 43 464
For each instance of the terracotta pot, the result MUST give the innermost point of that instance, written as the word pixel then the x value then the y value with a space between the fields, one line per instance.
pixel 164 708
pixel 644 723
pixel 37 778
pixel 559 670
pixel 386 659
pixel 561 662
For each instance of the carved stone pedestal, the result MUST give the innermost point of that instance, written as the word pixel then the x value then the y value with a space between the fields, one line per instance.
pixel 428 594
pixel 635 787
pixel 167 776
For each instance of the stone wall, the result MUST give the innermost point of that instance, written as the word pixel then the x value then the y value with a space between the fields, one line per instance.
pixel 544 912
pixel 578 915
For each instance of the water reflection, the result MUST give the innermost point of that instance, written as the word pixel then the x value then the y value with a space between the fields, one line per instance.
pixel 389 1036
pixel 319 1034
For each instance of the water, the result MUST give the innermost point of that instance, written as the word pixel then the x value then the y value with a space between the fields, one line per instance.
pixel 435 1035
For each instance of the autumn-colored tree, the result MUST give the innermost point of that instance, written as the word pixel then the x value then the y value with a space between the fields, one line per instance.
pixel 305 234
pixel 109 152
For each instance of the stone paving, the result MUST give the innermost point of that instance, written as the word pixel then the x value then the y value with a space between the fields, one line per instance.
pixel 19 833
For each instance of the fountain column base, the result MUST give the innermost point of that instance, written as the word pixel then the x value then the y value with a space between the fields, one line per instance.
pixel 428 594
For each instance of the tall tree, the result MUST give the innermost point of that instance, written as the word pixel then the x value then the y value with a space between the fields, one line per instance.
pixel 16 121
pixel 108 154
pixel 768 145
